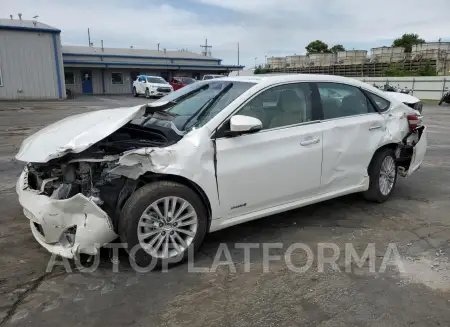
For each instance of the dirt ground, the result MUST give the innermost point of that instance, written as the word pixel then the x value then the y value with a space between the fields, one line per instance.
pixel 416 220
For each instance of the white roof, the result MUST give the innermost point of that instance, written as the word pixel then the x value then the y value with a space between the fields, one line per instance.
pixel 80 50
pixel 268 80
pixel 26 24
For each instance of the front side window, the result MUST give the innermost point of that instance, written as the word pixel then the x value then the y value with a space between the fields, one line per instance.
pixel 282 105
pixel 117 78
pixel 342 100
pixel 69 78
pixel 207 77
pixel 196 104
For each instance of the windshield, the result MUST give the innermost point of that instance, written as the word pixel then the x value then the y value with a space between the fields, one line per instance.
pixel 196 104
pixel 188 80
pixel 157 80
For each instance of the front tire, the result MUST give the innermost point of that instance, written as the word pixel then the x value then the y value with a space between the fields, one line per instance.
pixel 383 176
pixel 147 93
pixel 162 222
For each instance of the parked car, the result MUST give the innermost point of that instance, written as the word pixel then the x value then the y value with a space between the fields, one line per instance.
pixel 211 155
pixel 151 86
pixel 206 77
pixel 179 82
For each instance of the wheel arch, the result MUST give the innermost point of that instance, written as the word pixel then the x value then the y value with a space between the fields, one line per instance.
pixel 152 177
pixel 392 146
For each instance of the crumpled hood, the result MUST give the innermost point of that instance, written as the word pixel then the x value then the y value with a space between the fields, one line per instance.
pixel 402 97
pixel 75 133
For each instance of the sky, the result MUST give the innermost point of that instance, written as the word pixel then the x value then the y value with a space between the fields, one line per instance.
pixel 261 27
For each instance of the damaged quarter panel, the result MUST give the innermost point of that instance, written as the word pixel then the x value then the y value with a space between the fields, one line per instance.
pixel 353 131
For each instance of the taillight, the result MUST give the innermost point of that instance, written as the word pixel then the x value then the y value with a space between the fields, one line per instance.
pixel 414 121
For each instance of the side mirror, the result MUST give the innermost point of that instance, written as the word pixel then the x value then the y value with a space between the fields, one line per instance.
pixel 240 124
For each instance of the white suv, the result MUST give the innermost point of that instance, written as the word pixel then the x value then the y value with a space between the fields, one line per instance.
pixel 151 86
pixel 211 155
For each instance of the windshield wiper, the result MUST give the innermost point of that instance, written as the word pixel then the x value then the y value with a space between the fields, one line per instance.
pixel 208 104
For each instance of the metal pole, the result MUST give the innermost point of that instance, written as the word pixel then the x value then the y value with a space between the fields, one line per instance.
pixel 89 37
pixel 238 57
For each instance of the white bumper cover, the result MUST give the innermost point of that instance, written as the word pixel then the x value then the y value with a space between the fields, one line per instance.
pixel 52 219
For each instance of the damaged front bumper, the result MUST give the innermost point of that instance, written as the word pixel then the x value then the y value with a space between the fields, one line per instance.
pixel 65 227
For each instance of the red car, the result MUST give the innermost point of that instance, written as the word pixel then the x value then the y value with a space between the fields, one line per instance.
pixel 179 82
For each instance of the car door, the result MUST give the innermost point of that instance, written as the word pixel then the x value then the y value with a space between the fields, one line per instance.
pixel 141 85
pixel 353 131
pixel 277 165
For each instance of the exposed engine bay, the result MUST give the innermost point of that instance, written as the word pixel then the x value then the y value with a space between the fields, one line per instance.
pixel 88 172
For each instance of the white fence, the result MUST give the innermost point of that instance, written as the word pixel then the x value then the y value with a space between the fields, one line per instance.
pixel 426 87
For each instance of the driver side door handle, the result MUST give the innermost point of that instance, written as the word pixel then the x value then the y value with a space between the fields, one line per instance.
pixel 373 127
pixel 310 141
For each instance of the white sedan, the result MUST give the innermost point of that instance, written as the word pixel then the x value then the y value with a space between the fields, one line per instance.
pixel 211 155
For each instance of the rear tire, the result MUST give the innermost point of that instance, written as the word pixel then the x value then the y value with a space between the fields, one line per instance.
pixel 383 176
pixel 141 204
pixel 147 93
pixel 135 94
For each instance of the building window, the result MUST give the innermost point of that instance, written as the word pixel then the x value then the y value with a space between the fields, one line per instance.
pixel 117 78
pixel 69 77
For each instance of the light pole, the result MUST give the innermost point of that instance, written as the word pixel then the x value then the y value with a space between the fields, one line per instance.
pixel 256 58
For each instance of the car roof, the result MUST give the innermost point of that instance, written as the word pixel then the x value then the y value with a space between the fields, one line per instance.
pixel 268 80
pixel 149 76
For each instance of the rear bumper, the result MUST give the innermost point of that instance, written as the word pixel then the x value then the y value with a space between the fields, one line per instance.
pixel 65 227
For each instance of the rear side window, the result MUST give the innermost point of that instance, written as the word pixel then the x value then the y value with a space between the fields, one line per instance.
pixel 381 103
pixel 342 100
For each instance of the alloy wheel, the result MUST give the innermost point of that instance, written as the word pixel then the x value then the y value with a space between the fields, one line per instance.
pixel 167 227
pixel 387 175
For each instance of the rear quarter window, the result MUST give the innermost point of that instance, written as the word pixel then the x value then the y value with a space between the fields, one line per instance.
pixel 381 103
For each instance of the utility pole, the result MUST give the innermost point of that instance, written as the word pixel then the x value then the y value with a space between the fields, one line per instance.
pixel 256 58
pixel 238 58
pixel 89 37
pixel 205 48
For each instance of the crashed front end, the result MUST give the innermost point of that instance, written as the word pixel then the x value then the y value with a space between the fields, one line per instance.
pixel 72 205
pixel 73 195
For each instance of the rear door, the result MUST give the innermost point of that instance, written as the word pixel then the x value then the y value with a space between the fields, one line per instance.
pixel 277 165
pixel 352 132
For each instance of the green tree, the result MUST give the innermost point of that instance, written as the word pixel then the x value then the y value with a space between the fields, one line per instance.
pixel 407 41
pixel 317 46
pixel 336 48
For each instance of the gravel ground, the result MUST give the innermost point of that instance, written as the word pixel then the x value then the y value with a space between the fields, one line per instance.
pixel 416 219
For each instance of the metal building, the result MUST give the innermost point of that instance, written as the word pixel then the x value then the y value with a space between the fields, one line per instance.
pixel 34 65
pixel 30 61
pixel 92 70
